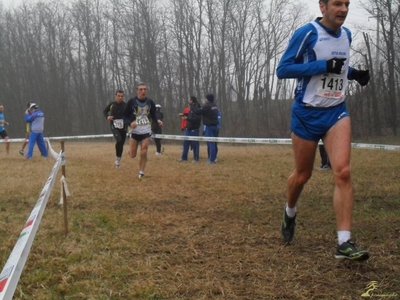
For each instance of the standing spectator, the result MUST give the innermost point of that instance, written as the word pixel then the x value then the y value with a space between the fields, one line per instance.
pixel 3 132
pixel 318 57
pixel 325 163
pixel 217 134
pixel 35 117
pixel 209 112
pixel 183 120
pixel 140 111
pixel 193 123
pixel 157 129
pixel 114 113
pixel 25 142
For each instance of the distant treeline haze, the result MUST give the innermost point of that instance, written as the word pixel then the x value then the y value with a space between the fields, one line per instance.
pixel 71 56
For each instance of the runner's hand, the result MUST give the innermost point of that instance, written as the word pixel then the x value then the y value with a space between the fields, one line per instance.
pixel 334 65
pixel 361 76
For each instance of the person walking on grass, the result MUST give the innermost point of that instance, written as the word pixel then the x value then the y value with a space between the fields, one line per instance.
pixel 139 113
pixel 35 117
pixel 114 113
pixel 27 125
pixel 318 57
pixel 3 132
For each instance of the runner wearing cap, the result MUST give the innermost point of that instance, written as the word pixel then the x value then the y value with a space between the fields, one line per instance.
pixel 35 117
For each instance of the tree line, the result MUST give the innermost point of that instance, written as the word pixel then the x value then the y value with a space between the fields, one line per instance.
pixel 70 58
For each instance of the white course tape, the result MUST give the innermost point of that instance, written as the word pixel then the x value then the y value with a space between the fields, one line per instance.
pixel 223 140
pixel 12 270
pixel 220 139
pixel 58 138
pixel 64 185
pixel 79 137
pixel 266 141
pixel 376 146
pixel 14 140
pixel 53 153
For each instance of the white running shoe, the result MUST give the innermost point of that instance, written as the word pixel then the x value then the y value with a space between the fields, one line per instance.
pixel 324 168
pixel 118 162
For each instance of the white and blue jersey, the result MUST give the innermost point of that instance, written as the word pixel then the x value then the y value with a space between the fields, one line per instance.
pixel 305 59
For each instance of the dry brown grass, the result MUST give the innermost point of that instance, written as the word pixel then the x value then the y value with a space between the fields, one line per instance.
pixel 197 231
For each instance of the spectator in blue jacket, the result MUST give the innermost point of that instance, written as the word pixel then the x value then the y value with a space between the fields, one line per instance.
pixel 35 117
pixel 217 134
pixel 3 132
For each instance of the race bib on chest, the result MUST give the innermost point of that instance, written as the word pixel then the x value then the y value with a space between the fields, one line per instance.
pixel 331 86
pixel 118 123
pixel 142 120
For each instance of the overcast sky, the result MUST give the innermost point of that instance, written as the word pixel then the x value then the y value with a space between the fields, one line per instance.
pixel 356 18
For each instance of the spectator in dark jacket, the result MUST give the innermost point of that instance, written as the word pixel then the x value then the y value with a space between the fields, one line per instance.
pixel 217 134
pixel 209 112
pixel 157 129
pixel 193 123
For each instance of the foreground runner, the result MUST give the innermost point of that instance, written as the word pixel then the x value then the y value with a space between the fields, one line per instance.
pixel 140 111
pixel 318 56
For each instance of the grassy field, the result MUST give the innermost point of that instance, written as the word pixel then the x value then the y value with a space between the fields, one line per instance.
pixel 198 231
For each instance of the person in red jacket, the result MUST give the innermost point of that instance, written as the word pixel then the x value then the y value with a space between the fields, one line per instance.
pixel 183 120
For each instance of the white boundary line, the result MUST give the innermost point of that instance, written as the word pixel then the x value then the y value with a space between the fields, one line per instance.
pixel 221 140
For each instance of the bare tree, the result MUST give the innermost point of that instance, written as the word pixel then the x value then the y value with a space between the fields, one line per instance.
pixel 70 57
pixel 387 60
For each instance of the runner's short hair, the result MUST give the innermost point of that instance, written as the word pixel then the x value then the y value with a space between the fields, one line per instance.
pixel 140 84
